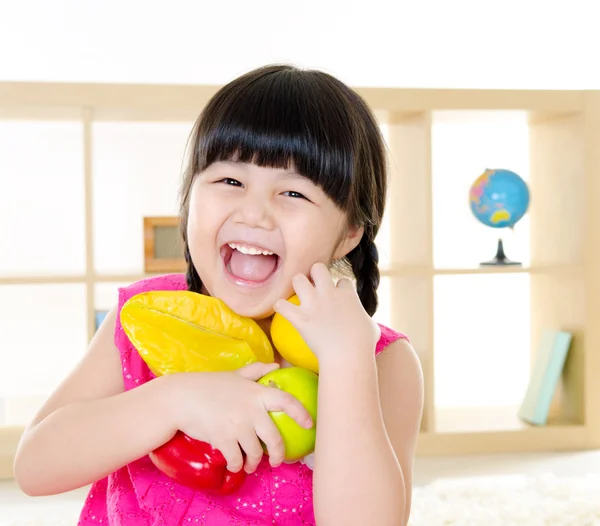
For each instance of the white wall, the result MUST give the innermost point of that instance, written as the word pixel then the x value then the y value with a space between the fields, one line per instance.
pixel 424 43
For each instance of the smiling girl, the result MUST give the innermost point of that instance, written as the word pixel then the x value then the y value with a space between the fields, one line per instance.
pixel 286 183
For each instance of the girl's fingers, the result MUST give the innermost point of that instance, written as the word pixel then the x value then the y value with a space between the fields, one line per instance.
pixel 271 437
pixel 304 288
pixel 253 450
pixel 232 453
pixel 278 400
pixel 321 277
pixel 288 310
pixel 256 370
pixel 345 283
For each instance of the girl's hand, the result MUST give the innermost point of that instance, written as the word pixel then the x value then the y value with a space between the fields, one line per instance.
pixel 229 410
pixel 330 317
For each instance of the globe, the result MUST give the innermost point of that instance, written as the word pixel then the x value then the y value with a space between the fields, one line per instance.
pixel 499 199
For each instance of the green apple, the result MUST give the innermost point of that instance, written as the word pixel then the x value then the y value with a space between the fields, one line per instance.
pixel 302 384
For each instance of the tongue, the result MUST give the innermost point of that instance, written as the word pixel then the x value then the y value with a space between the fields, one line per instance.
pixel 251 267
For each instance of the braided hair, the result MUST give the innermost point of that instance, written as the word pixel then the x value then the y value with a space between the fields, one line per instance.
pixel 364 262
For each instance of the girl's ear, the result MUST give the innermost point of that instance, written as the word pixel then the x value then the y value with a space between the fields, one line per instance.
pixel 349 241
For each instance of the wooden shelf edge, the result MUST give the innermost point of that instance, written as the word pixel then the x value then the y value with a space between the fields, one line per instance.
pixel 97 278
pixel 178 97
pixel 527 269
pixel 391 271
pixel 548 438
pixel 534 439
pixel 9 440
pixel 424 270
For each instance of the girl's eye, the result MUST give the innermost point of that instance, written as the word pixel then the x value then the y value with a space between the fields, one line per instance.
pixel 229 181
pixel 296 195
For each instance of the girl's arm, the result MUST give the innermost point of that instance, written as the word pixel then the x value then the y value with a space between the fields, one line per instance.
pixel 89 427
pixel 369 416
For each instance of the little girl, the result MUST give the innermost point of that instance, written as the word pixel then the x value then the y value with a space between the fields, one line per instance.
pixel 286 182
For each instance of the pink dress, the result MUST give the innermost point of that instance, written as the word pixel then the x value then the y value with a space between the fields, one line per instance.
pixel 140 495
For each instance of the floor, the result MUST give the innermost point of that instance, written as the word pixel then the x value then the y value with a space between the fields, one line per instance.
pixel 427 470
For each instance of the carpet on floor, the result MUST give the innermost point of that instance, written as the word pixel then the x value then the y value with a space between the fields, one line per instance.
pixel 511 500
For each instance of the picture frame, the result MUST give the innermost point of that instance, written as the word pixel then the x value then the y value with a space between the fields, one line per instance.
pixel 163 246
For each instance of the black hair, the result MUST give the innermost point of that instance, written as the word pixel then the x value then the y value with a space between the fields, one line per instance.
pixel 280 116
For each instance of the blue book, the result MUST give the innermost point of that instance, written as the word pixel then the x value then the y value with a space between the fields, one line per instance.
pixel 545 375
pixel 100 315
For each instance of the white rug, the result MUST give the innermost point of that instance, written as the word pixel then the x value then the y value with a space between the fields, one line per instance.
pixel 510 500
pixel 540 500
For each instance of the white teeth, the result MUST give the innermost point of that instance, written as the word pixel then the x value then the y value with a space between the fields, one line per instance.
pixel 253 251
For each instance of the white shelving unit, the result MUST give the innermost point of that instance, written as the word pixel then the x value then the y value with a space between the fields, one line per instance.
pixel 563 271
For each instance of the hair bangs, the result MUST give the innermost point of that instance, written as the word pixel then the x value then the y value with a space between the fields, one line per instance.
pixel 281 120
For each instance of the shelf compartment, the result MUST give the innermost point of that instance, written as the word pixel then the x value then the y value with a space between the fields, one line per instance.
pixel 564 267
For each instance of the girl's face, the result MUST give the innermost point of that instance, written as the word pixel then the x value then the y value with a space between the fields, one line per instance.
pixel 251 230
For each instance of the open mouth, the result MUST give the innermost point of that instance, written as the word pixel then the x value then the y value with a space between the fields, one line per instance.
pixel 249 263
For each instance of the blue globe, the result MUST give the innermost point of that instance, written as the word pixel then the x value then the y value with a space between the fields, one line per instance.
pixel 499 198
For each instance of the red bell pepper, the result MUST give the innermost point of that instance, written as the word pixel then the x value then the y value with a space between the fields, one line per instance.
pixel 196 464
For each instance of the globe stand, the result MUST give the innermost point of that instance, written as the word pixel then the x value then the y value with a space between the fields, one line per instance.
pixel 500 260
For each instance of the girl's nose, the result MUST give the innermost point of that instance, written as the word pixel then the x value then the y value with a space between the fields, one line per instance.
pixel 255 212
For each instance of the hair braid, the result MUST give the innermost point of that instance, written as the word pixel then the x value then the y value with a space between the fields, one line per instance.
pixel 364 260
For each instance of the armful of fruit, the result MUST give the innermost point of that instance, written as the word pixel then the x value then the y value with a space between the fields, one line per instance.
pixel 183 331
